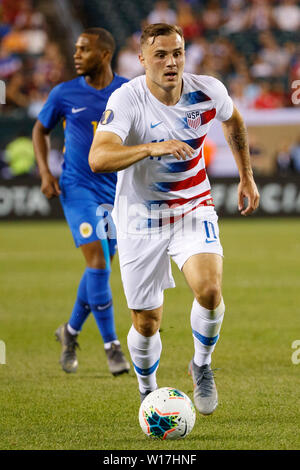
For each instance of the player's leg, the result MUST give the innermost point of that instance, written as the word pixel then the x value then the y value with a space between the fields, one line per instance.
pixel 197 250
pixel 67 333
pixel 146 272
pixel 97 255
pixel 94 292
pixel 98 290
pixel 145 347
pixel 203 273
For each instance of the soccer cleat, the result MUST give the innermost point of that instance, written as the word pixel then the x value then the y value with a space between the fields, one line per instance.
pixel 205 392
pixel 116 360
pixel 144 394
pixel 68 359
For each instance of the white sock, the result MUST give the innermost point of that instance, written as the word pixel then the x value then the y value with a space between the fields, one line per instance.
pixel 108 345
pixel 145 354
pixel 71 330
pixel 206 325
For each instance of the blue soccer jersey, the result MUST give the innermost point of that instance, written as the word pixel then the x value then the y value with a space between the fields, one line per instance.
pixel 80 106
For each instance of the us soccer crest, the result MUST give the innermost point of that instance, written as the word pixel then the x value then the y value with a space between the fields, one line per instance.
pixel 193 119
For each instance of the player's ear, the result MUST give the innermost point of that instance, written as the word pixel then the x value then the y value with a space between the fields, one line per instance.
pixel 142 60
pixel 106 56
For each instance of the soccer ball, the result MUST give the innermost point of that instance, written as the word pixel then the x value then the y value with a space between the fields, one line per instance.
pixel 167 413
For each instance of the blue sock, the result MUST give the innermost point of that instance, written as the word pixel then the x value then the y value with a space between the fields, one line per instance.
pixel 81 308
pixel 100 301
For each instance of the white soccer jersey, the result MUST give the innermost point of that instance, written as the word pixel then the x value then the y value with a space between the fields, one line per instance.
pixel 148 190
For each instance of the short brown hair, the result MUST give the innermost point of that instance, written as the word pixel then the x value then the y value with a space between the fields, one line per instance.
pixel 159 29
pixel 105 39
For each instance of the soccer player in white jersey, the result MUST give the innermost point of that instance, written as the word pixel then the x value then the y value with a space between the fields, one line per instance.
pixel 152 132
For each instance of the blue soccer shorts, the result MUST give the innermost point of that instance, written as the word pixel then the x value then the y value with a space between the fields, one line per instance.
pixel 89 222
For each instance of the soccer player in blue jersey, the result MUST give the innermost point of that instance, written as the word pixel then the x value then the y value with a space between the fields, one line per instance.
pixel 80 103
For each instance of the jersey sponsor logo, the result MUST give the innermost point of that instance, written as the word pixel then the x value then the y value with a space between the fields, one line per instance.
pixel 85 229
pixel 107 116
pixel 193 119
pixel 77 110
pixel 155 124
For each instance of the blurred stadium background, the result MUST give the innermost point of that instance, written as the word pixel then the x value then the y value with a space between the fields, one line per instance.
pixel 252 46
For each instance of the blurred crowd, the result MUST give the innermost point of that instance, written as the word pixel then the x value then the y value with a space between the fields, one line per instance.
pixel 288 158
pixel 30 64
pixel 252 46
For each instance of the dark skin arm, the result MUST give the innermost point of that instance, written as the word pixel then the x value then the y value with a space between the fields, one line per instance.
pixel 236 135
pixel 41 144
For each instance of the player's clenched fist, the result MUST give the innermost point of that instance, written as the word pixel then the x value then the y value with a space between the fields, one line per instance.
pixel 179 149
pixel 50 186
pixel 247 189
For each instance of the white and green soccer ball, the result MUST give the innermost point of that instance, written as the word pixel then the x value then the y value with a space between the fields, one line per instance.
pixel 167 413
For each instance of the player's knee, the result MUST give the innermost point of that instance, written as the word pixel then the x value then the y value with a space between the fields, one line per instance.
pixel 97 263
pixel 147 330
pixel 146 324
pixel 94 256
pixel 209 295
pixel 95 259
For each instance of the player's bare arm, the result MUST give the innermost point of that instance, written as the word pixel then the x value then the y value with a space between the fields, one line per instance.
pixel 108 154
pixel 41 143
pixel 236 135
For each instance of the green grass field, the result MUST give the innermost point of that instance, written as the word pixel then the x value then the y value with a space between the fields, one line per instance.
pixel 41 407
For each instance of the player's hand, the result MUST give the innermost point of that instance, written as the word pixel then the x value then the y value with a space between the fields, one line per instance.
pixel 178 149
pixel 50 186
pixel 248 189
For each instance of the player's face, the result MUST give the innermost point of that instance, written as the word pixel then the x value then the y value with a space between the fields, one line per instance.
pixel 164 60
pixel 88 56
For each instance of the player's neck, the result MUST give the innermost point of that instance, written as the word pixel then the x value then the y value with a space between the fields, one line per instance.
pixel 100 80
pixel 169 97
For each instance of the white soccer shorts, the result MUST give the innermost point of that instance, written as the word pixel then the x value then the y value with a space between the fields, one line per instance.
pixel 145 262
